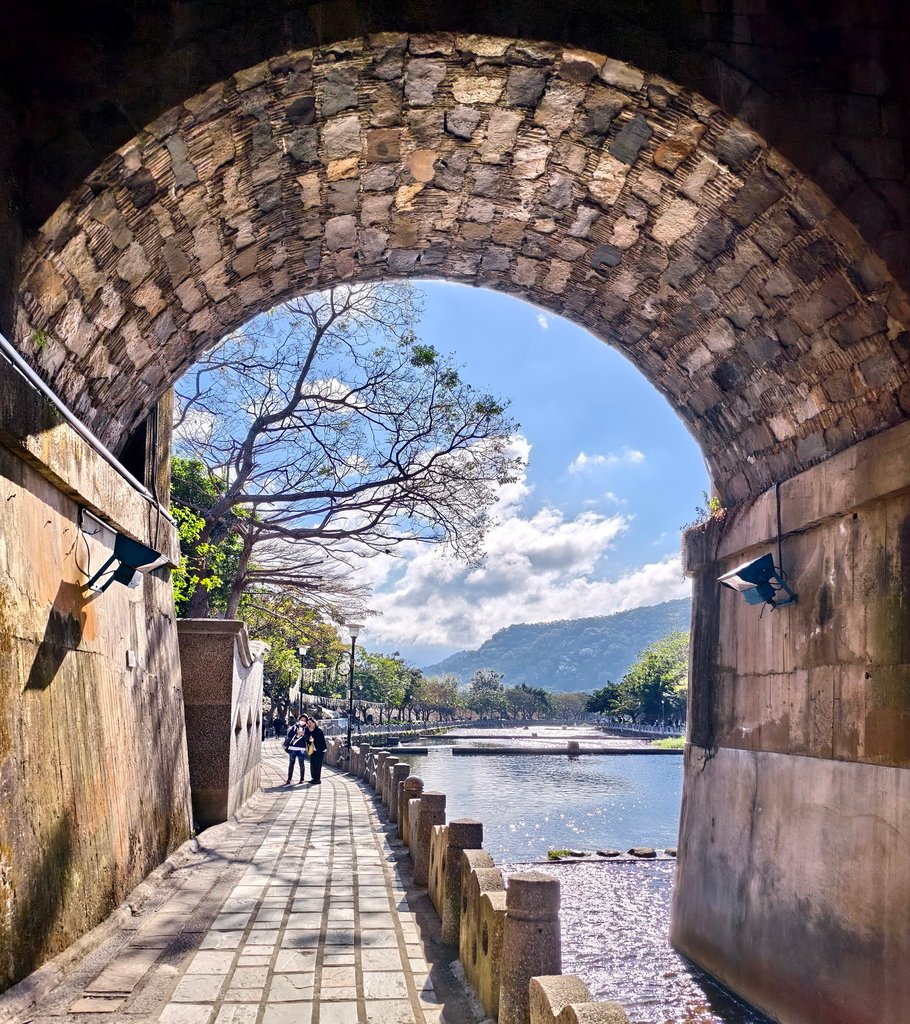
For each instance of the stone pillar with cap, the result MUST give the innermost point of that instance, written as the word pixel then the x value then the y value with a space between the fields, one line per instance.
pixel 363 752
pixel 399 773
pixel 464 834
pixel 381 759
pixel 432 811
pixel 384 789
pixel 410 789
pixel 531 943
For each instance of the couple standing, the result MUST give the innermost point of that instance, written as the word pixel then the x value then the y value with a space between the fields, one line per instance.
pixel 305 740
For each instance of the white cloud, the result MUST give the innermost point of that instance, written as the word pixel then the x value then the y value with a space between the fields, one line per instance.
pixel 543 322
pixel 438 602
pixel 539 567
pixel 583 463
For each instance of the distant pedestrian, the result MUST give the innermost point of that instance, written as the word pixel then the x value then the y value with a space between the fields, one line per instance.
pixel 316 745
pixel 295 743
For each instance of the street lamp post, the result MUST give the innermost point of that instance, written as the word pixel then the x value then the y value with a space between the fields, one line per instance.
pixel 353 629
pixel 301 654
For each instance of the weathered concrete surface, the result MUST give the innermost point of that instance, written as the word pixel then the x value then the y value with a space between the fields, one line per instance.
pixel 794 856
pixel 586 185
pixel 93 772
pixel 794 883
pixel 222 694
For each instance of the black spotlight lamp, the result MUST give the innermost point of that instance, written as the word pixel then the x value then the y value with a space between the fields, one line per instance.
pixel 760 582
pixel 127 561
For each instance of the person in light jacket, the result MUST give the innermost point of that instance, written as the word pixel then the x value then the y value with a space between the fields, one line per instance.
pixel 316 745
pixel 295 743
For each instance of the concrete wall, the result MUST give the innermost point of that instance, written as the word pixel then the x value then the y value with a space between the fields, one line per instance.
pixel 222 690
pixel 93 770
pixel 794 857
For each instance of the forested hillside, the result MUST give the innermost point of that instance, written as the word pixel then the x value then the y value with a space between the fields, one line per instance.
pixel 574 654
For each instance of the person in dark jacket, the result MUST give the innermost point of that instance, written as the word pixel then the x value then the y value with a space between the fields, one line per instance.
pixel 315 741
pixel 295 743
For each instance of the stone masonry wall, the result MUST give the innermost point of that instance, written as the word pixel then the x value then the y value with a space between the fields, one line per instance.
pixel 618 199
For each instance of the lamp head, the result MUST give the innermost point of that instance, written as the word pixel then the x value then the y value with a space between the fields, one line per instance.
pixel 759 581
pixel 127 558
pixel 354 629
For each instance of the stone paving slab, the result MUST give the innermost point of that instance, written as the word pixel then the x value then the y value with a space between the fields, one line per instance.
pixel 300 911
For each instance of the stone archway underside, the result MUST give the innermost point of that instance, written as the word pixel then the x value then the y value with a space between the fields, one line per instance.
pixel 617 199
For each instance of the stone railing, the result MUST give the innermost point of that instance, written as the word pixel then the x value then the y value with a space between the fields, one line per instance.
pixel 507 936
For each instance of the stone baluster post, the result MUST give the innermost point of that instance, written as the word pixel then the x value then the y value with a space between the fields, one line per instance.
pixel 362 755
pixel 381 759
pixel 384 789
pixel 410 790
pixel 464 834
pixel 432 811
pixel 531 941
pixel 399 773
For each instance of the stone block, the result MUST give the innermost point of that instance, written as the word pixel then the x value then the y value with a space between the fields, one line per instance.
pixel 531 944
pixel 680 146
pixel 462 122
pixel 630 141
pixel 461 834
pixel 525 86
pixel 431 810
pixel 548 994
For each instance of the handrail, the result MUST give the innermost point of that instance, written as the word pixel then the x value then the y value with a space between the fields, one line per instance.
pixel 28 374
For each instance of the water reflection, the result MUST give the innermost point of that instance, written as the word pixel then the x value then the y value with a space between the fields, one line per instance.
pixel 615 917
pixel 615 920
pixel 529 804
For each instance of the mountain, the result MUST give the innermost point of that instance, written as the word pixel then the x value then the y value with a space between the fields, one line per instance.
pixel 573 654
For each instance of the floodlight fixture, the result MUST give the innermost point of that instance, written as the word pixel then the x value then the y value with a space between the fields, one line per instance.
pixel 127 561
pixel 760 582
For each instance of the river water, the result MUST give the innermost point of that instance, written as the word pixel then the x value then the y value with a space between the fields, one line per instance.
pixel 615 916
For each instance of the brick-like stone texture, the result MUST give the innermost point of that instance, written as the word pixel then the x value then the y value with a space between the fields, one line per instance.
pixel 626 203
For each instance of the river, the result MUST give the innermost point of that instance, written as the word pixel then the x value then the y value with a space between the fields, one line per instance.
pixel 615 916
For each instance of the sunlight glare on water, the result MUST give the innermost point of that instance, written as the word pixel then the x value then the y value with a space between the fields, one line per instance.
pixel 615 916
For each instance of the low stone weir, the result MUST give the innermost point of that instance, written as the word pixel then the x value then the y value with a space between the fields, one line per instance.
pixel 508 937
pixel 562 751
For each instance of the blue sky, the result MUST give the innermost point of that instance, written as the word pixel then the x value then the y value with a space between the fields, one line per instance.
pixel 612 475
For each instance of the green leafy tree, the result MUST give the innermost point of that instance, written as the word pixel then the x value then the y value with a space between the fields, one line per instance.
pixel 486 694
pixel 605 701
pixel 286 624
pixel 654 688
pixel 526 702
pixel 336 433
pixel 569 706
pixel 206 566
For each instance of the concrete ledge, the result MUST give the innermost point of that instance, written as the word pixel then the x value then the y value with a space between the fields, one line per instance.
pixel 870 471
pixel 34 431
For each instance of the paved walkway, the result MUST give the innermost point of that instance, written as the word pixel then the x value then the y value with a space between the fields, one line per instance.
pixel 299 911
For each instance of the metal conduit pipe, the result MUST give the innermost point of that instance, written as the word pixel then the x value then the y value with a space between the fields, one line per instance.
pixel 32 378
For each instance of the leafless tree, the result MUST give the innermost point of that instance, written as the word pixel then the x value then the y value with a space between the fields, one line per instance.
pixel 330 431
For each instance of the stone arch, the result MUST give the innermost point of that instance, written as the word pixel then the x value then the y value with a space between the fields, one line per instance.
pixel 576 181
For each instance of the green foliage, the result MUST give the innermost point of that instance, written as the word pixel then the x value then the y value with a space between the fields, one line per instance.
pixel 710 508
pixel 486 694
pixel 573 655
pixel 670 743
pixel 654 688
pixel 211 565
